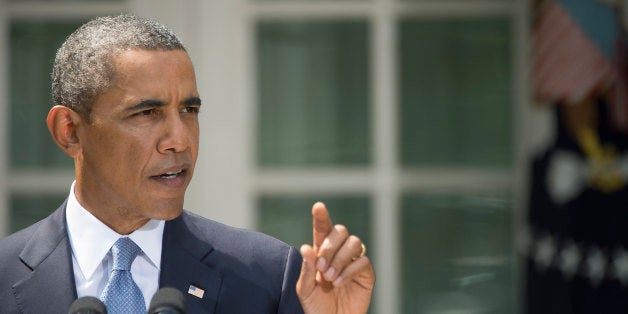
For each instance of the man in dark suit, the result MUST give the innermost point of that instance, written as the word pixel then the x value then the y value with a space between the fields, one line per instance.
pixel 127 113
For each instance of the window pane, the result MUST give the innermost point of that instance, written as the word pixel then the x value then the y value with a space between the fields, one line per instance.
pixel 33 47
pixel 27 209
pixel 458 255
pixel 312 89
pixel 289 218
pixel 456 92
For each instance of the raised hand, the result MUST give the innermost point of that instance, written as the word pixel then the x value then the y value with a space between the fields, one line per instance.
pixel 336 276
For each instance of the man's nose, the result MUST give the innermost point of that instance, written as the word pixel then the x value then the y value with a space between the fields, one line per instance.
pixel 176 135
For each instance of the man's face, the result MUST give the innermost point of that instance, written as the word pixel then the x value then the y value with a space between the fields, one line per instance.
pixel 138 152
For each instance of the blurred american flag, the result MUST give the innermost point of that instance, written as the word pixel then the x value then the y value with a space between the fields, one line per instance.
pixel 579 51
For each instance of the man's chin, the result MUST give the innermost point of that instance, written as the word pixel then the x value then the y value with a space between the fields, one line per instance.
pixel 168 215
pixel 172 216
pixel 165 212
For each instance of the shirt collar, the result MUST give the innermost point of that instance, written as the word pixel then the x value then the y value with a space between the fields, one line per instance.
pixel 91 239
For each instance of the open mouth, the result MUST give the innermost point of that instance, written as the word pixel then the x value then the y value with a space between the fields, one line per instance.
pixel 171 175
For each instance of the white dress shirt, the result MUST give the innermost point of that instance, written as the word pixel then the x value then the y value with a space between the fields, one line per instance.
pixel 92 261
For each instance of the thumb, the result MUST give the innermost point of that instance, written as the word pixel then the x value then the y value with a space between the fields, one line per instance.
pixel 307 279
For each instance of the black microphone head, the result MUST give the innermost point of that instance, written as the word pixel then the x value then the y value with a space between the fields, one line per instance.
pixel 167 300
pixel 87 305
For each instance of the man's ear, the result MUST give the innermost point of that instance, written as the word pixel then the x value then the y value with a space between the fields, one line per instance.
pixel 62 122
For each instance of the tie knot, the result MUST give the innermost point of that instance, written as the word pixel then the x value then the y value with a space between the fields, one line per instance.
pixel 124 252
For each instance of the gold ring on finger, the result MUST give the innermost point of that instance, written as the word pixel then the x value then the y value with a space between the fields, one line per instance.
pixel 362 253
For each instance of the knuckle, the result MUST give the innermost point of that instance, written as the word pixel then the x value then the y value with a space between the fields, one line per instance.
pixel 354 240
pixel 342 230
pixel 326 245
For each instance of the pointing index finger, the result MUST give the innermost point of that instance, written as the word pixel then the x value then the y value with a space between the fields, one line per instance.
pixel 321 222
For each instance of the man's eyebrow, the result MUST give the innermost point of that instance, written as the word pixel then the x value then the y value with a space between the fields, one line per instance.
pixel 146 104
pixel 192 101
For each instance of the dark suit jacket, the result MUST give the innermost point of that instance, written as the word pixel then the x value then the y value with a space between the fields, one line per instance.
pixel 241 271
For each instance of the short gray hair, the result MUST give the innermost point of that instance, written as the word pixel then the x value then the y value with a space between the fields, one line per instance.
pixel 83 67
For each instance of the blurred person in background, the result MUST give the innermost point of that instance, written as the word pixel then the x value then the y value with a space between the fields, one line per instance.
pixel 578 261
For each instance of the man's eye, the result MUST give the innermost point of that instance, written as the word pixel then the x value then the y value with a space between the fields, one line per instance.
pixel 147 112
pixel 191 109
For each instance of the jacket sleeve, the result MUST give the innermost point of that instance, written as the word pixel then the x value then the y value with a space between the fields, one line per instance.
pixel 289 302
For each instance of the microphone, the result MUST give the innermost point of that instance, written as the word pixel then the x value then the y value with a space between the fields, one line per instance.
pixel 167 300
pixel 87 305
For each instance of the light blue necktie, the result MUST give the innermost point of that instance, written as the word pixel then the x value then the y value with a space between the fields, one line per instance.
pixel 121 294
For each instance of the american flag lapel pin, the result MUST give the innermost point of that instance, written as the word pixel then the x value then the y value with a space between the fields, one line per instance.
pixel 196 291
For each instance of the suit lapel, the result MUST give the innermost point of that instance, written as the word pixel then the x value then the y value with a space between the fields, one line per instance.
pixel 182 266
pixel 50 287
